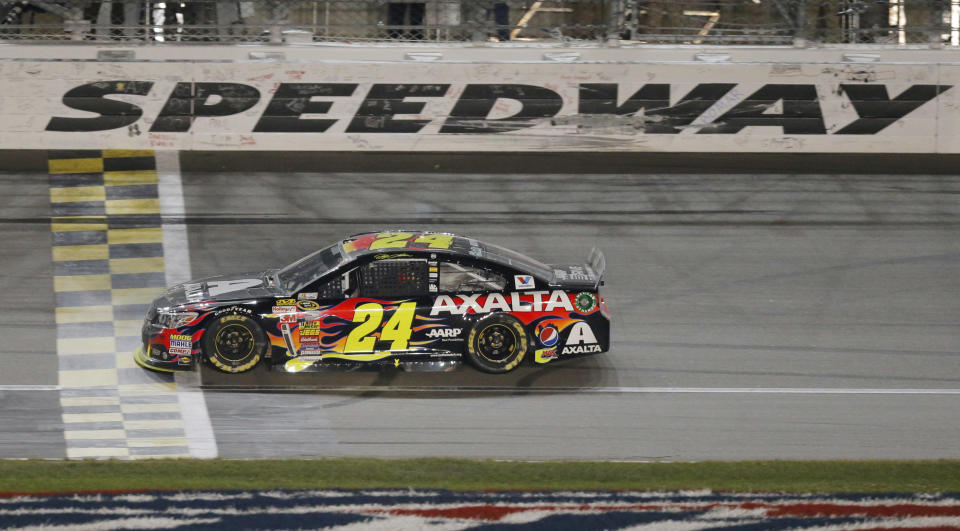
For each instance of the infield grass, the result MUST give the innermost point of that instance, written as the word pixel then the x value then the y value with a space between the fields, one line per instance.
pixel 50 476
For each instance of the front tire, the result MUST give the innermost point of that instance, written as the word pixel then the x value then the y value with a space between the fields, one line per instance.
pixel 497 344
pixel 234 343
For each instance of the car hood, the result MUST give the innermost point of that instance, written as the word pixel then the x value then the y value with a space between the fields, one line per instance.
pixel 224 288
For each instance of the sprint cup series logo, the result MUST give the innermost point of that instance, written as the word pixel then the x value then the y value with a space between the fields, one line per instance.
pixel 586 302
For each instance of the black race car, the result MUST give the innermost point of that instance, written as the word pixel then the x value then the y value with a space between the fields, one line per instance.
pixel 410 299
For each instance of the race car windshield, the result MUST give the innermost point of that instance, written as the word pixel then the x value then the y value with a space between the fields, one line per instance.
pixel 310 267
pixel 516 260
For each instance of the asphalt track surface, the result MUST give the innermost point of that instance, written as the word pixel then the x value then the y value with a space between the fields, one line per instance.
pixel 754 316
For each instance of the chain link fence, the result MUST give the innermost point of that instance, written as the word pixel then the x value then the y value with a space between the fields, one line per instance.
pixel 602 22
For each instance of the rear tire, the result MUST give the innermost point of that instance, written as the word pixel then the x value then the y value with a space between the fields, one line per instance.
pixel 234 343
pixel 497 344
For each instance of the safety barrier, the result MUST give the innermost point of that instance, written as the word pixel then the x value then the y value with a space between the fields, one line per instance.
pixel 601 22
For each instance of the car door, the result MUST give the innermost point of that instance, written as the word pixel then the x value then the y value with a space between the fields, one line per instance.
pixel 464 291
pixel 315 326
pixel 380 311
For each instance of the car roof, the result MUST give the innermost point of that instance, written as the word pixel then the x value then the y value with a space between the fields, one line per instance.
pixel 443 243
pixel 358 245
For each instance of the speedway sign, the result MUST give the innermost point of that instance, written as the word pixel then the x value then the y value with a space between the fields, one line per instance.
pixel 383 104
pixel 475 107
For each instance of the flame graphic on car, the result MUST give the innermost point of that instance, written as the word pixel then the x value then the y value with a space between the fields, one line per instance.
pixel 330 331
pixel 360 243
pixel 560 323
pixel 432 322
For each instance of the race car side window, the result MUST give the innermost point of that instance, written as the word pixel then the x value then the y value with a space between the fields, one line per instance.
pixel 332 289
pixel 460 278
pixel 393 278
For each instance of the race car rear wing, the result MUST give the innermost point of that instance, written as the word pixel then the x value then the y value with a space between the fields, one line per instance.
pixel 587 275
pixel 598 263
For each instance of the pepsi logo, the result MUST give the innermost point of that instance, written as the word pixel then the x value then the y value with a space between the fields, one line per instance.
pixel 549 336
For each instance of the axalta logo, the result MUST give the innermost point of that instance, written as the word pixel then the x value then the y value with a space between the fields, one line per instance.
pixel 534 301
pixel 581 349
pixel 581 340
pixel 444 332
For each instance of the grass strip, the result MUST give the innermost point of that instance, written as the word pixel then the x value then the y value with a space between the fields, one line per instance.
pixel 30 476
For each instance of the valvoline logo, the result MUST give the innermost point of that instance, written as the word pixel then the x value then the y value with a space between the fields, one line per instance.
pixel 549 336
pixel 523 282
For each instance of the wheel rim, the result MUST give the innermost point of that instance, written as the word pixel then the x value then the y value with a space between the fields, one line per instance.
pixel 234 342
pixel 497 343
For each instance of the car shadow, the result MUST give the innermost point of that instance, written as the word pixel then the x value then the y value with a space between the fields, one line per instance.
pixel 568 376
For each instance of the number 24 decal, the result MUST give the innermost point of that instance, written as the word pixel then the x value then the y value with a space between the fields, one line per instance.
pixel 397 329
pixel 393 240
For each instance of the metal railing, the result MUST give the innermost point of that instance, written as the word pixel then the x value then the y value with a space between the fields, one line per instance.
pixel 602 22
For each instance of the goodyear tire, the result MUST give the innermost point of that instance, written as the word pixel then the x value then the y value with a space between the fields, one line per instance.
pixel 497 344
pixel 234 343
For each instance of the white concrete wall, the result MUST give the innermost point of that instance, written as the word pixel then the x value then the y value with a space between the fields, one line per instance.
pixel 757 100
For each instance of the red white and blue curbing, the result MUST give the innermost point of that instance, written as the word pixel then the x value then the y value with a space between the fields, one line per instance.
pixel 440 509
